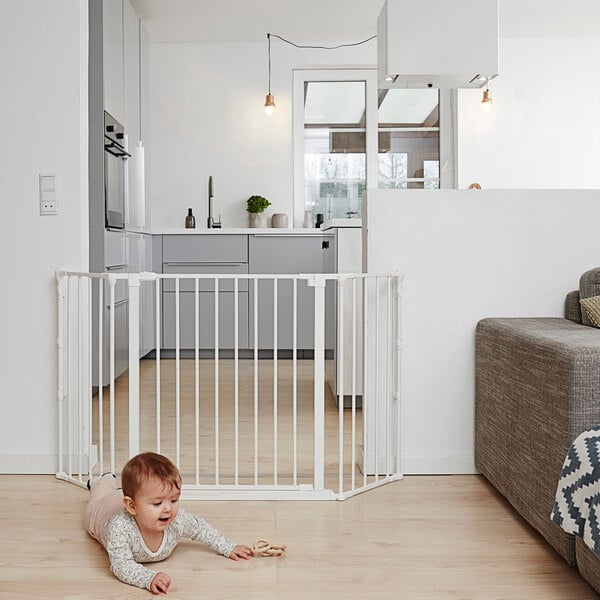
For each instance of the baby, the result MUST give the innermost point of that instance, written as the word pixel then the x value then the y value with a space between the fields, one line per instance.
pixel 143 523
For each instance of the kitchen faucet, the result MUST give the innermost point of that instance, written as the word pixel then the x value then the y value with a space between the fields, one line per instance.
pixel 211 223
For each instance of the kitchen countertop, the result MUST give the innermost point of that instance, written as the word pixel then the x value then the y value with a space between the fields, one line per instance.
pixel 230 231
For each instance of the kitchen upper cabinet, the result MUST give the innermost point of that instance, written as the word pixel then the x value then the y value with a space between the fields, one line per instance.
pixel 112 38
pixel 125 59
pixel 144 84
pixel 131 74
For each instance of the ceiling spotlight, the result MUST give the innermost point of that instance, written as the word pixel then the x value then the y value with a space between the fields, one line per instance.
pixel 389 78
pixel 486 101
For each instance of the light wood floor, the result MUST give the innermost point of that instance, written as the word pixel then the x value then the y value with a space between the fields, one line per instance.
pixel 246 451
pixel 422 538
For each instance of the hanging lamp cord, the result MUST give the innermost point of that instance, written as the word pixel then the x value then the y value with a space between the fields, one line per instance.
pixel 316 47
pixel 269 40
pixel 269 35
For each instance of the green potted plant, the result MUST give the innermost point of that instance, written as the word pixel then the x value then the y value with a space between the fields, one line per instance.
pixel 256 206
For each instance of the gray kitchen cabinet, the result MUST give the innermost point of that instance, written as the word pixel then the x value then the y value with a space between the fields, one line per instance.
pixel 218 248
pixel 206 320
pixel 131 74
pixel 115 249
pixel 114 261
pixel 121 339
pixel 121 316
pixel 205 285
pixel 144 83
pixel 204 254
pixel 283 254
pixel 148 306
pixel 112 37
pixel 140 259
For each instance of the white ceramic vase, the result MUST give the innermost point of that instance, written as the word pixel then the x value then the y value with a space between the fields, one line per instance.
pixel 257 220
pixel 279 221
pixel 307 219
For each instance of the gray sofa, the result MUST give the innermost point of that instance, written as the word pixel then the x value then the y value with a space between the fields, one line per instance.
pixel 537 387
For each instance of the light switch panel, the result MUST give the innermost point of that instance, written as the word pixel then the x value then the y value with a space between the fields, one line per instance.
pixel 48 200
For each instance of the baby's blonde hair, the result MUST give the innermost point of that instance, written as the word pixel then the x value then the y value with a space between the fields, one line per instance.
pixel 145 466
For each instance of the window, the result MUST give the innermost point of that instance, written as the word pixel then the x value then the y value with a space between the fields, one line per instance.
pixel 408 138
pixel 348 137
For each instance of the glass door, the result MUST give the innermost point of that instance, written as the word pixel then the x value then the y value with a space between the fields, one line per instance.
pixel 332 119
pixel 334 147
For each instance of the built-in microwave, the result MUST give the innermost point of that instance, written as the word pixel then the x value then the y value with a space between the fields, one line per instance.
pixel 115 173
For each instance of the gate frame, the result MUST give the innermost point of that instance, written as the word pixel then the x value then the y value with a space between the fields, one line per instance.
pixel 216 491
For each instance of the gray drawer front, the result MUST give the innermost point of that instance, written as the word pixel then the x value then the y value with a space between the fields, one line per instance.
pixel 121 286
pixel 206 312
pixel 114 248
pixel 290 254
pixel 205 248
pixel 205 285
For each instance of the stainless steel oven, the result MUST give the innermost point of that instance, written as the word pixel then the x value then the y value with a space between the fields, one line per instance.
pixel 115 173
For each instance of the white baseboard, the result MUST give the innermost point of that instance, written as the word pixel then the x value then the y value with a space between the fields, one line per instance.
pixel 40 464
pixel 28 464
pixel 438 465
pixel 419 464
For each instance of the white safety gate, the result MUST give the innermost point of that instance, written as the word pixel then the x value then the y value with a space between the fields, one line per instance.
pixel 256 386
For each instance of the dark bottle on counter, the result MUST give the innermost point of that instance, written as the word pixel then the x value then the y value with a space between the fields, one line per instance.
pixel 190 220
pixel 319 220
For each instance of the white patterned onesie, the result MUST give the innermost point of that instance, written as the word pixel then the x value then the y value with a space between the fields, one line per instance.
pixel 126 547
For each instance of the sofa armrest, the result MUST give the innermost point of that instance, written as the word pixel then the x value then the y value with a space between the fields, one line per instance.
pixel 537 386
pixel 573 307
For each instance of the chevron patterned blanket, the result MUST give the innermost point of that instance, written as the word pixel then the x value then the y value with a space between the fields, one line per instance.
pixel 577 504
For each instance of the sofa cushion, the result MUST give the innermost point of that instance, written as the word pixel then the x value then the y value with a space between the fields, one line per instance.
pixel 591 307
pixel 589 286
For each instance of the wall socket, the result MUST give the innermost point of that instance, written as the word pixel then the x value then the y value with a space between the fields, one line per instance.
pixel 48 199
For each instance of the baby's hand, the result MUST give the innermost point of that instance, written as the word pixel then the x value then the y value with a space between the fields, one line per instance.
pixel 241 552
pixel 160 583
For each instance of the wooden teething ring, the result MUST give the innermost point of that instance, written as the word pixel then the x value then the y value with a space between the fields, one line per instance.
pixel 265 548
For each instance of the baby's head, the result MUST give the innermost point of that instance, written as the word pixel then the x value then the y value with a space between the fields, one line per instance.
pixel 143 468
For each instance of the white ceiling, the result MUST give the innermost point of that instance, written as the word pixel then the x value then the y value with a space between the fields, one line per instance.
pixel 314 21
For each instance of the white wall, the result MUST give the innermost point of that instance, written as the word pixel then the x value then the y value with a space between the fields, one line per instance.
pixel 43 61
pixel 544 128
pixel 207 118
pixel 467 255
